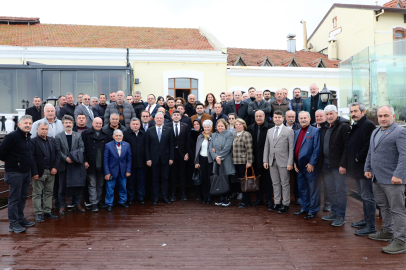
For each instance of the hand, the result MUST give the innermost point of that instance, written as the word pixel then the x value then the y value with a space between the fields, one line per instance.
pixel 396 180
pixel 186 157
pixel 35 177
pixel 127 174
pixel 54 171
pixel 186 115
pixel 107 177
pixel 86 165
pixel 149 163
pixel 310 168
pixel 197 166
pixel 170 162
pixel 69 160
pixel 296 169
pixel 289 167
pixel 266 165
pixel 248 165
pixel 218 158
pixel 214 150
pixel 368 175
pixel 342 170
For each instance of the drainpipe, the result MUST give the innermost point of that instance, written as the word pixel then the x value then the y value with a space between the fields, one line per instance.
pixel 379 14
pixel 128 57
pixel 304 35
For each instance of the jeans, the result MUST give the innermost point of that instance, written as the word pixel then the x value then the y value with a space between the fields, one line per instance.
pixel 95 186
pixel 309 189
pixel 137 178
pixel 122 191
pixel 337 189
pixel 364 189
pixel 44 184
pixel 18 183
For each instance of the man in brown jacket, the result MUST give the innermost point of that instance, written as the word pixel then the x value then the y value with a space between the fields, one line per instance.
pixel 200 114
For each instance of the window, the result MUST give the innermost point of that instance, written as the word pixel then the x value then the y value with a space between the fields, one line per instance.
pixel 399 33
pixel 182 87
pixel 240 61
pixel 334 22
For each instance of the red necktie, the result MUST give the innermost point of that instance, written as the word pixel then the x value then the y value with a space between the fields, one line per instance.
pixel 149 107
pixel 118 144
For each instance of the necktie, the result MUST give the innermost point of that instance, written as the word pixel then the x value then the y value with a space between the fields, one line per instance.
pixel 159 134
pixel 145 127
pixel 176 130
pixel 149 108
pixel 91 112
pixel 118 144
pixel 275 134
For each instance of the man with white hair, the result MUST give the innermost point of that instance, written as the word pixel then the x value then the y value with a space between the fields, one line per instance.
pixel 313 103
pixel 125 111
pixel 54 124
pixel 335 135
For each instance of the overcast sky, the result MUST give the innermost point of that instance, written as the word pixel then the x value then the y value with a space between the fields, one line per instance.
pixel 261 24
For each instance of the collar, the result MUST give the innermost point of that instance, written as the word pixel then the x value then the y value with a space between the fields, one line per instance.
pixel 68 134
pixel 237 103
pixel 362 120
pixel 24 134
pixel 118 143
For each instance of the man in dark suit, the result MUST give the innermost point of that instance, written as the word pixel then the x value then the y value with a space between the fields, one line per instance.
pixel 44 170
pixel 36 111
pixel 151 106
pixel 86 109
pixel 99 109
pixel 146 122
pixel 190 107
pixel 69 108
pixel 237 106
pixel 182 150
pixel 160 154
pixel 258 104
pixel 258 133
pixel 135 136
pixel 184 119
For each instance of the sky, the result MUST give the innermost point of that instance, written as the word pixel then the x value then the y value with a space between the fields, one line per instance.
pixel 261 24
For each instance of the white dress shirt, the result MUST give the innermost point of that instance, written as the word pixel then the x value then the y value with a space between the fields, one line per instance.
pixel 279 131
pixel 151 109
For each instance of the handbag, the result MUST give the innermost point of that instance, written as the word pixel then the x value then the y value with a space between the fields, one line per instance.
pixel 250 183
pixel 197 177
pixel 219 183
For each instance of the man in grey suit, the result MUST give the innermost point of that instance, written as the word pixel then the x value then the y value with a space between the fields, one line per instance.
pixel 258 104
pixel 70 180
pixel 86 109
pixel 386 166
pixel 278 157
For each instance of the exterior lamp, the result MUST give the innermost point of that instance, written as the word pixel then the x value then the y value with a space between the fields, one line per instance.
pixel 355 97
pixel 52 99
pixel 23 102
pixel 325 95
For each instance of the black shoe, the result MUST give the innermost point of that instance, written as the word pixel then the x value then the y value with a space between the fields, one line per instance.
pixel 26 223
pixel 101 205
pixel 240 203
pixel 244 206
pixel 327 207
pixel 258 202
pixel 204 200
pixel 199 198
pixel 310 216
pixel 141 201
pixel 275 207
pixel 17 228
pixel 154 202
pixel 173 197
pixel 57 206
pixel 209 201
pixel 301 212
pixel 88 205
pixel 124 205
pixel 360 224
pixel 109 208
pixel 39 218
pixel 233 196
pixel 50 215
pixel 94 208
pixel 269 205
pixel 297 201
pixel 184 198
pixel 166 201
pixel 130 202
pixel 219 202
pixel 284 209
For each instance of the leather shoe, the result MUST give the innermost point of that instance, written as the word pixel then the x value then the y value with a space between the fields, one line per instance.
pixel 258 202
pixel 297 201
pixel 243 206
pixel 166 201
pixel 130 202
pixel 269 205
pixel 124 205
pixel 204 200
pixel 39 218
pixel 50 215
pixel 301 212
pixel 284 209
pixel 240 203
pixel 154 202
pixel 62 211
pixel 101 205
pixel 309 216
pixel 108 209
pixel 141 201
pixel 173 197
pixel 184 198
pixel 79 209
pixel 198 198
pixel 209 201
pixel 275 207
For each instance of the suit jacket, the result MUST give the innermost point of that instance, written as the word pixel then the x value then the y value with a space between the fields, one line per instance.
pixel 258 145
pixel 92 143
pixel 187 121
pixel 388 157
pixel 114 164
pixel 242 110
pixel 38 151
pixel 242 149
pixel 89 117
pixel 35 114
pixel 154 111
pixel 160 150
pixel 309 149
pixel 182 141
pixel 296 126
pixel 282 149
pixel 307 104
pixel 253 108
pixel 138 148
pixel 62 148
pixel 98 111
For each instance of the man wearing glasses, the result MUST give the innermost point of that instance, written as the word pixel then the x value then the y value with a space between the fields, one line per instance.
pixel 86 109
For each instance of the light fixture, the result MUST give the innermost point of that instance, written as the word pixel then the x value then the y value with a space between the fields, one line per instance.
pixel 52 99
pixel 325 95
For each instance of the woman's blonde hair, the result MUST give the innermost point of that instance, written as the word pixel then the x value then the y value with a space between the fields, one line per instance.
pixel 221 120
pixel 242 122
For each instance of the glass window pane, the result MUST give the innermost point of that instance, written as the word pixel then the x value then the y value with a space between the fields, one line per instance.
pixel 102 82
pixel 182 83
pixel 194 92
pixel 68 82
pixel 194 83
pixel 50 82
pixel 84 83
pixel 9 100
pixel 171 83
pixel 27 86
pixel 118 81
pixel 171 92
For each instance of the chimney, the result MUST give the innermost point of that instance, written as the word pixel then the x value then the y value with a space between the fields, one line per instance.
pixel 291 42
pixel 304 35
pixel 332 48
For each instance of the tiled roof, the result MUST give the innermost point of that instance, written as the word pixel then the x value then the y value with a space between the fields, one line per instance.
pixel 90 36
pixel 279 58
pixel 5 18
pixel 394 3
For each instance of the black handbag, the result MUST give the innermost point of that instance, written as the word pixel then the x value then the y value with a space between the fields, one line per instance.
pixel 197 177
pixel 219 183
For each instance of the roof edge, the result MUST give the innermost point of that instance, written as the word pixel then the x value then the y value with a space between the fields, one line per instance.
pixel 213 40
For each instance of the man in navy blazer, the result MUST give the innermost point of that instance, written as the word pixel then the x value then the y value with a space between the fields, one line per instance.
pixel 117 166
pixel 306 155
pixel 160 154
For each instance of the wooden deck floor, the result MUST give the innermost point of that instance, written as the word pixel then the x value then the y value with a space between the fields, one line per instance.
pixel 189 235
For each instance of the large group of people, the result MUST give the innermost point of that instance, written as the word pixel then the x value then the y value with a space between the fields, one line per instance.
pixel 151 149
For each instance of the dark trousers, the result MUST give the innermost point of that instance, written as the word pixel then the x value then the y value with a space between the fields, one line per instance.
pixel 137 178
pixel 73 192
pixel 365 190
pixel 240 173
pixel 56 191
pixel 160 172
pixel 178 171
pixel 19 184
pixel 309 189
pixel 264 180
pixel 206 170
pixel 296 192
pixel 323 184
pixel 337 189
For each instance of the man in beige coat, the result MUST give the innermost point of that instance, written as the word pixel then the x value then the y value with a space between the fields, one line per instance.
pixel 278 157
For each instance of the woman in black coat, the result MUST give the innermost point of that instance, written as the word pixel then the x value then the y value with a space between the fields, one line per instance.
pixel 196 130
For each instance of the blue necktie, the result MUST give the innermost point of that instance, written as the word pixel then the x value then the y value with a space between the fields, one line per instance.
pixel 159 134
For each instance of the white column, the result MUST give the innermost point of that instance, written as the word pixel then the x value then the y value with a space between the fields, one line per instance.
pixel 20 112
pixel 9 124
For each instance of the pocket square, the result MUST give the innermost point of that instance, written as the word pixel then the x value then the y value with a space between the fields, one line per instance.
pixel 309 137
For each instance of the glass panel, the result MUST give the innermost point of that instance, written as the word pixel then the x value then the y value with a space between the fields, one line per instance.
pixel 118 81
pixel 68 83
pixel 101 83
pixel 27 86
pixel 399 34
pixel 50 82
pixel 171 83
pixel 171 92
pixel 84 83
pixel 194 83
pixel 9 100
pixel 194 92
pixel 182 83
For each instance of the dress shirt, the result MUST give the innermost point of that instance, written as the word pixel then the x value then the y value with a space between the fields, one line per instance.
pixel 279 131
pixel 177 128
pixel 150 109
pixel 203 149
